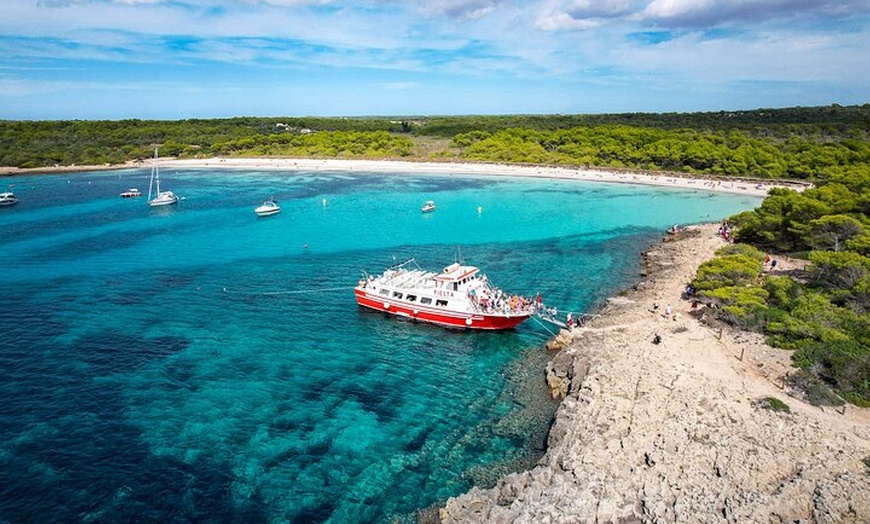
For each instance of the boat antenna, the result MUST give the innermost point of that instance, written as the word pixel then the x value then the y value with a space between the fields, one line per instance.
pixel 459 258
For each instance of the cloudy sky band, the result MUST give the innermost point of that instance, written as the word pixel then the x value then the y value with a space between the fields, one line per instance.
pixel 569 55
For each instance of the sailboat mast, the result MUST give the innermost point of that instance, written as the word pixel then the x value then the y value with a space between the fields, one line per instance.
pixel 156 172
pixel 151 180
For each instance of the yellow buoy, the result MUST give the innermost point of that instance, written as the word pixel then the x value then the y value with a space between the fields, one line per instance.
pixel 479 209
pixel 324 201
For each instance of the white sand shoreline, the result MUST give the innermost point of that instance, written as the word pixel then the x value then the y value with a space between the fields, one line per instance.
pixel 700 183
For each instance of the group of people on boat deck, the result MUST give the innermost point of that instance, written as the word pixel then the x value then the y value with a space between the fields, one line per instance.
pixel 497 301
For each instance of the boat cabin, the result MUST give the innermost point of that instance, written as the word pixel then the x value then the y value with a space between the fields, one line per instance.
pixel 454 276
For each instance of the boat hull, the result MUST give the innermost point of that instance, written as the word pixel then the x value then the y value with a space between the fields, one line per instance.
pixel 158 203
pixel 164 198
pixel 441 317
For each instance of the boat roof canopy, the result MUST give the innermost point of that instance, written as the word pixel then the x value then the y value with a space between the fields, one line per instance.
pixel 455 272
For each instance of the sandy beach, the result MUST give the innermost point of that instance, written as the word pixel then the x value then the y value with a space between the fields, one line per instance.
pixel 698 183
pixel 677 431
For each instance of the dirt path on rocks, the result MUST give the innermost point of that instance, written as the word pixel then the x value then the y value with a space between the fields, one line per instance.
pixel 673 432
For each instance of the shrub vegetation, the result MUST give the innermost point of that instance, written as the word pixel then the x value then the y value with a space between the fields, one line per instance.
pixel 774 404
pixel 822 313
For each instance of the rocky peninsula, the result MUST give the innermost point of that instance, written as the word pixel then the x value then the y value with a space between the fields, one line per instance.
pixel 681 430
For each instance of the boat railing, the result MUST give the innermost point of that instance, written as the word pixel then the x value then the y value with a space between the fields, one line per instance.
pixel 404 263
pixel 492 300
pixel 403 279
pixel 422 280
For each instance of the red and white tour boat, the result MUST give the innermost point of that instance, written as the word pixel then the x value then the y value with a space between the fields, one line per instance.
pixel 459 296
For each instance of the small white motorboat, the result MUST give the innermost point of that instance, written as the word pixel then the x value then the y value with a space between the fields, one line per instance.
pixel 428 207
pixel 269 207
pixel 8 198
pixel 131 193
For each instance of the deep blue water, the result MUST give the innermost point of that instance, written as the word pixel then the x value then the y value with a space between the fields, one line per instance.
pixel 201 364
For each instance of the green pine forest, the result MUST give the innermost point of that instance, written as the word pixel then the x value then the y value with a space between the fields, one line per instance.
pixel 820 313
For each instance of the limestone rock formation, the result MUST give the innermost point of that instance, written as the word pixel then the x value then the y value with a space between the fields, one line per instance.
pixel 675 431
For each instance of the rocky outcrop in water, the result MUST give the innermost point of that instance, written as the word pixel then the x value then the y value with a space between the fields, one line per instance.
pixel 680 431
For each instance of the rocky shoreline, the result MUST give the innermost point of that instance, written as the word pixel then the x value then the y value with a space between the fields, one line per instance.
pixel 679 431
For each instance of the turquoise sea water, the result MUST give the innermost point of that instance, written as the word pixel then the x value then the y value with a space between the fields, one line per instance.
pixel 198 363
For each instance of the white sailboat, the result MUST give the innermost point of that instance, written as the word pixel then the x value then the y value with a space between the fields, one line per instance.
pixel 161 198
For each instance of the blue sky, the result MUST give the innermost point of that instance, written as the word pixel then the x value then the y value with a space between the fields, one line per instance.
pixel 172 59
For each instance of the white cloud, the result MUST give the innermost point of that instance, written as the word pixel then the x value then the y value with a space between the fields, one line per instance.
pixel 711 13
pixel 564 22
pixel 580 15
pixel 779 57
pixel 599 9
pixel 458 9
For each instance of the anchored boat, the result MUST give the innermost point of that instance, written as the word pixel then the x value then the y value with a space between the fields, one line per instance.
pixel 459 296
pixel 269 207
pixel 8 198
pixel 161 198
pixel 131 193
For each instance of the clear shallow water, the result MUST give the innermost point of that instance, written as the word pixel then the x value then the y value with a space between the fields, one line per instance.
pixel 201 364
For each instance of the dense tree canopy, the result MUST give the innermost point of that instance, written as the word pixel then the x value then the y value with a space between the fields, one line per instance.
pixel 732 153
pixel 796 142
